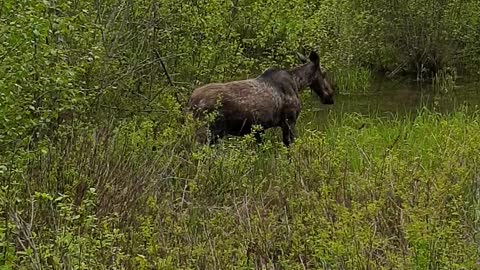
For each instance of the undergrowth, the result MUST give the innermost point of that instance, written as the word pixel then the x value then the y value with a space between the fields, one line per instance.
pixel 99 168
pixel 361 194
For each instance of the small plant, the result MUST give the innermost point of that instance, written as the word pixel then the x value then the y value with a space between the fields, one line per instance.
pixel 352 79
pixel 444 81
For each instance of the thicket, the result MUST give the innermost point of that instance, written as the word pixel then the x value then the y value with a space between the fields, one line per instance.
pixel 89 88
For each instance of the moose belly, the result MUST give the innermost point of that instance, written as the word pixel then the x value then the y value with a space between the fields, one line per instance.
pixel 241 123
pixel 240 115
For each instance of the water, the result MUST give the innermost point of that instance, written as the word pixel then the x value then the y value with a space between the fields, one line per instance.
pixel 385 100
pixel 388 99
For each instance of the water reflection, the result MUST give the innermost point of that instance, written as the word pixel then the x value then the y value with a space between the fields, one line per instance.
pixel 398 98
pixel 386 100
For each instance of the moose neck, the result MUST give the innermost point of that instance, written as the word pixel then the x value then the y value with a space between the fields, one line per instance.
pixel 301 76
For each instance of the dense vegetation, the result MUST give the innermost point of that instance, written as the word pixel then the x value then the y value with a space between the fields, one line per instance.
pixel 99 169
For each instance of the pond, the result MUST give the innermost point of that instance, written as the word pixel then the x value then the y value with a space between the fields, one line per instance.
pixel 388 99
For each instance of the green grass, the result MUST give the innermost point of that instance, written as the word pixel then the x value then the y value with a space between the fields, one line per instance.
pixel 444 81
pixel 395 194
pixel 352 80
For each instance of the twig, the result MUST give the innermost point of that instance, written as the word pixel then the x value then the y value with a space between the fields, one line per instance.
pixel 25 230
pixel 127 110
pixel 119 77
pixel 167 75
pixel 164 67
pixel 396 70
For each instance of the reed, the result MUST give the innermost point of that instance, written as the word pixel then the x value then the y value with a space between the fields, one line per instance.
pixel 352 80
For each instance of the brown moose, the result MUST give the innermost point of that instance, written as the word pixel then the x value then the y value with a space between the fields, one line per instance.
pixel 269 100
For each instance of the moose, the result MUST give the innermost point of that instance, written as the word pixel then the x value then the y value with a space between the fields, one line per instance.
pixel 269 100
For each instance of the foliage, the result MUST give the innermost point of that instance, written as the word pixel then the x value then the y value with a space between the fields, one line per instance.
pixel 99 168
pixel 394 194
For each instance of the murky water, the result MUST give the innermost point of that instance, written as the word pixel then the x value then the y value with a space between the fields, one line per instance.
pixel 388 98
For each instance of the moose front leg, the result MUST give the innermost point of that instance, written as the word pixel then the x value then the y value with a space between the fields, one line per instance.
pixel 259 136
pixel 288 128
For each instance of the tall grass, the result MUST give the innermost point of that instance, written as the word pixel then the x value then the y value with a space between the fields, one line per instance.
pixel 444 81
pixel 363 193
pixel 352 80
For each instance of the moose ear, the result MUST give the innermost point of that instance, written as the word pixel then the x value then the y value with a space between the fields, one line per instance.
pixel 314 57
pixel 301 57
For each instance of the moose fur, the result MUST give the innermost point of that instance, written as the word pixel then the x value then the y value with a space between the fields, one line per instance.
pixel 269 100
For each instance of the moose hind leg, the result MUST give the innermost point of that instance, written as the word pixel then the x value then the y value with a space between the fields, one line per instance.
pixel 217 131
pixel 207 135
pixel 212 138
